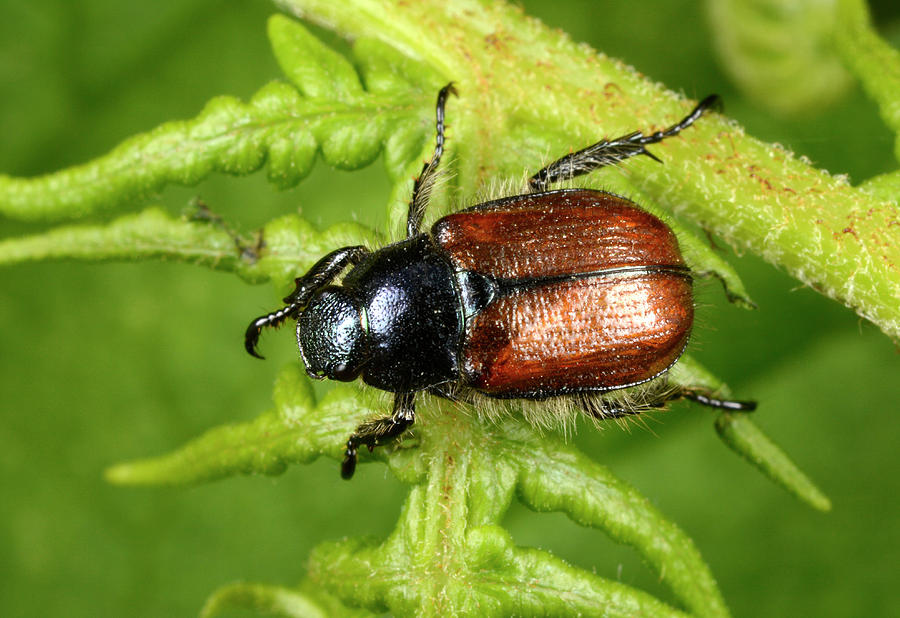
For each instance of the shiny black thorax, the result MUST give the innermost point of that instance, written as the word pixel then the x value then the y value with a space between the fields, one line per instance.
pixel 411 316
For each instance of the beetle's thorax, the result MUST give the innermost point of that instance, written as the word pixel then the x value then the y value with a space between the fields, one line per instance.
pixel 411 314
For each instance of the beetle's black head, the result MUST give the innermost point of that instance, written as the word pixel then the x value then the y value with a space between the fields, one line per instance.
pixel 331 336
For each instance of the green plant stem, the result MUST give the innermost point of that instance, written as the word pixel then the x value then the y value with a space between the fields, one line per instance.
pixel 513 71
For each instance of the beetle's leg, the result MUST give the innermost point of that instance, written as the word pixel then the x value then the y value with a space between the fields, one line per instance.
pixel 324 272
pixel 425 180
pixel 603 409
pixel 611 152
pixel 604 412
pixel 270 320
pixel 451 392
pixel 380 430
pixel 706 397
pixel 321 274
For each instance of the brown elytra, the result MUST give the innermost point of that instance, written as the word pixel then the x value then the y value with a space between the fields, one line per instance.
pixel 592 293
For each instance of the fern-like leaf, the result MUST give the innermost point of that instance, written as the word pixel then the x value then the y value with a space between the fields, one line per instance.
pixel 525 91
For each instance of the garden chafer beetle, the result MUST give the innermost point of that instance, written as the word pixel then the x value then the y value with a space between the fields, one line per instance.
pixel 571 293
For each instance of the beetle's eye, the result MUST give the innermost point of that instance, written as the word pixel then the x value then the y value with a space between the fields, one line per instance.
pixel 344 372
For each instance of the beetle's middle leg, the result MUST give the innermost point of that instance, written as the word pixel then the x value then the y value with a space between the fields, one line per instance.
pixel 425 180
pixel 380 431
pixel 602 409
pixel 610 152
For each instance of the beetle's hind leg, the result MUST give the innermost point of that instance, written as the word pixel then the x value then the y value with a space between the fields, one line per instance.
pixel 602 408
pixel 425 180
pixel 701 395
pixel 610 152
pixel 379 431
pixel 707 398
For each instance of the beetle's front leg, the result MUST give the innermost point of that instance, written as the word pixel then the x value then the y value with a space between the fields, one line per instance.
pixel 324 272
pixel 378 431
pixel 321 274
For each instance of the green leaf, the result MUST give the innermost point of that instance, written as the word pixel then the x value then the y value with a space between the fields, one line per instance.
pixel 885 186
pixel 517 582
pixel 298 431
pixel 837 239
pixel 331 113
pixel 460 489
pixel 291 246
pixel 450 556
pixel 262 598
pixel 524 91
pixel 746 439
pixel 306 602
pixel 554 479
pixel 317 71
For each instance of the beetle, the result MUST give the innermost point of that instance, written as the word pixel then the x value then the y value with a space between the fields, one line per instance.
pixel 558 293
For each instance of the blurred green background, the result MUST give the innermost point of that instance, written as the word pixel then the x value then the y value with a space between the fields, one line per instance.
pixel 104 363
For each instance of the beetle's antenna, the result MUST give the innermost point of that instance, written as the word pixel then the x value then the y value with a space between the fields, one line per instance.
pixel 425 180
pixel 612 152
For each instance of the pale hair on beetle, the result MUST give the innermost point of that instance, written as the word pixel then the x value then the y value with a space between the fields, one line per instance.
pixel 628 407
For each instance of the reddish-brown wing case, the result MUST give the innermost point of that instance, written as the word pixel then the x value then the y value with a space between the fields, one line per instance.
pixel 568 318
